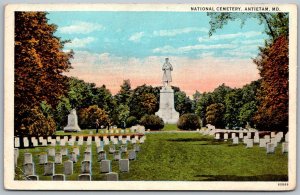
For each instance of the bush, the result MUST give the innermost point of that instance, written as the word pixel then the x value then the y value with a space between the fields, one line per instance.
pixel 152 122
pixel 131 121
pixel 189 121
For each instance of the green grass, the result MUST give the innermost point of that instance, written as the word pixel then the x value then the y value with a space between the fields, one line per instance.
pixel 186 157
pixel 170 127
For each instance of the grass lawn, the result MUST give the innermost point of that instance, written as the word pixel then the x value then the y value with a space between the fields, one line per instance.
pixel 170 127
pixel 186 157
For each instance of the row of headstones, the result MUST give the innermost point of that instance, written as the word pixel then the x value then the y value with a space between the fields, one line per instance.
pixel 269 142
pixel 105 165
pixel 62 142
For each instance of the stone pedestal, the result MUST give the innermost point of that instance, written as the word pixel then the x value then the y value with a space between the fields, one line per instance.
pixel 72 122
pixel 166 106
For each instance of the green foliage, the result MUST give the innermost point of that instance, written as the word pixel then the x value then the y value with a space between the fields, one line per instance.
pixel 61 112
pixel 87 117
pixel 144 100
pixel 183 104
pixel 131 121
pixel 123 113
pixel 215 115
pixel 152 122
pixel 124 94
pixel 189 121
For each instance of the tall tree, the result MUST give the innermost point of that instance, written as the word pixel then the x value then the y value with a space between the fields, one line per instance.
pixel 125 92
pixel 39 64
pixel 273 63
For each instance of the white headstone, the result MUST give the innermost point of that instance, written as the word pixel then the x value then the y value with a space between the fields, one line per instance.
pixel 68 167
pixel 273 134
pixel 249 143
pixel 86 167
pixel 84 177
pixel 58 158
pixel 235 140
pixel 101 155
pixel 58 177
pixel 241 135
pixel 28 159
pixel 28 169
pixel 112 149
pixel 286 137
pixel 73 157
pixel 76 150
pixel 87 156
pixel 117 155
pixel 26 141
pixel 17 142
pixel 49 168
pixel 274 141
pixel 124 165
pixel 270 148
pixel 232 135
pixel 123 148
pixel 64 151
pixel 72 122
pixel 131 155
pixel 105 166
pixel 262 143
pixel 256 139
pixel 285 147
pixel 51 151
pixel 267 138
pixel 217 136
pixel 225 136
pixel 43 158
pixel 112 176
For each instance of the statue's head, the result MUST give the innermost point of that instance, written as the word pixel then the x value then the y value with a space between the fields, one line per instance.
pixel 167 59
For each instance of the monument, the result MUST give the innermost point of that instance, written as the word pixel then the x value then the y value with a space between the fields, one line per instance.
pixel 72 122
pixel 166 100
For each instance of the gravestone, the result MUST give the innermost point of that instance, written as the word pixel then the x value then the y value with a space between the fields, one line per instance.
pixel 80 141
pixel 112 176
pixel 68 167
pixel 72 122
pixel 88 148
pixel 286 137
pixel 99 149
pixel 270 148
pixel 132 155
pixel 124 141
pixel 84 177
pixel 76 151
pixel 41 139
pixel 274 141
pixel 51 152
pixel 43 158
pixel 136 147
pixel 73 157
pixel 117 155
pixel 58 158
pixel 285 147
pixel 17 142
pixel 32 178
pixel 101 155
pixel 26 142
pixel 273 134
pixel 262 143
pixel 249 143
pixel 62 142
pixel 64 151
pixel 44 142
pixel 123 148
pixel 124 165
pixel 87 156
pixel 241 135
pixel 112 149
pixel 49 168
pixel 58 177
pixel 86 167
pixel 28 158
pixel 267 138
pixel 225 136
pixel 256 139
pixel 245 139
pixel 133 141
pixel 28 169
pixel 232 135
pixel 16 156
pixel 217 136
pixel 249 135
pixel 105 166
pixel 279 136
pixel 128 137
pixel 235 140
pixel 57 138
pixel 89 141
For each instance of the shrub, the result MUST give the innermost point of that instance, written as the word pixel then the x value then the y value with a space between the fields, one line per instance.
pixel 152 122
pixel 189 121
pixel 131 121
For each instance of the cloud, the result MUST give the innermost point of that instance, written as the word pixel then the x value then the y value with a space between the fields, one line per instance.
pixel 80 43
pixel 136 37
pixel 248 34
pixel 81 28
pixel 174 32
pixel 202 74
pixel 171 50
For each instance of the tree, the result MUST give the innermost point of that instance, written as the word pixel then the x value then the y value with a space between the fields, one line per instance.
pixel 276 24
pixel 215 115
pixel 183 104
pixel 88 116
pixel 204 101
pixel 233 104
pixel 125 92
pixel 123 114
pixel 189 121
pixel 273 63
pixel 152 122
pixel 39 64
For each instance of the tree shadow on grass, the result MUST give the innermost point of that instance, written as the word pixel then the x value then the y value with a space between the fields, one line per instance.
pixel 267 177
pixel 207 141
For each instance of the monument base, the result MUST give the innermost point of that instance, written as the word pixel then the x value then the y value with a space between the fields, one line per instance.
pixel 166 106
pixel 72 122
pixel 72 129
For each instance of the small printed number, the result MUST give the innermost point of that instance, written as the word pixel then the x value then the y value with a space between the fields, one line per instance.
pixel 283 184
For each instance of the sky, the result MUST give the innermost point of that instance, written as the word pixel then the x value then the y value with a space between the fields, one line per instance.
pixel 110 47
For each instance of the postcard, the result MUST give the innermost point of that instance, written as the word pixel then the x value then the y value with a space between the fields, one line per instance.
pixel 150 97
